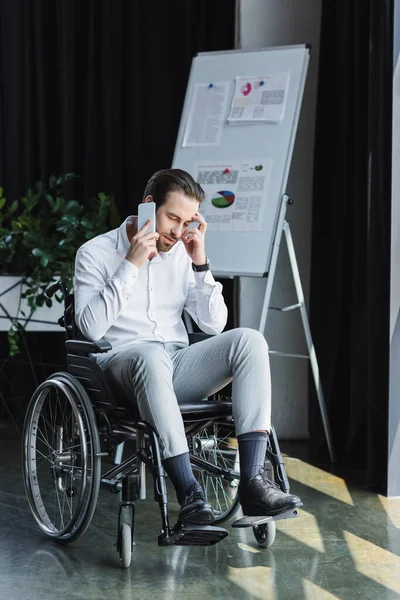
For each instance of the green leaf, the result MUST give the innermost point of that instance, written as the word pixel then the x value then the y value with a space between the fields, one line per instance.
pixel 28 292
pixel 40 300
pixel 73 207
pixel 86 223
pixel 49 302
pixel 51 201
pixel 2 201
pixel 60 204
pixel 44 261
pixel 52 181
pixel 1 191
pixel 37 252
pixel 13 207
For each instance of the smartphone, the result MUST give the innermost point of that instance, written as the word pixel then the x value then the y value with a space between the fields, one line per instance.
pixel 146 211
pixel 193 225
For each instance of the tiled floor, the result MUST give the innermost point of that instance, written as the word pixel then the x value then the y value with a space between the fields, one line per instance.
pixel 345 544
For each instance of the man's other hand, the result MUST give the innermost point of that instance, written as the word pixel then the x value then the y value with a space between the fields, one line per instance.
pixel 194 242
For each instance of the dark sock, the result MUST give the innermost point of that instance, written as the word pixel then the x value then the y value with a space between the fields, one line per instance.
pixel 252 449
pixel 180 472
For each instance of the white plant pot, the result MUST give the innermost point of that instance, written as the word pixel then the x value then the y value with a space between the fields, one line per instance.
pixel 44 319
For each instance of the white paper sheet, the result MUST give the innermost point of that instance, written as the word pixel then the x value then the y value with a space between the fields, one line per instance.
pixel 236 194
pixel 206 115
pixel 259 98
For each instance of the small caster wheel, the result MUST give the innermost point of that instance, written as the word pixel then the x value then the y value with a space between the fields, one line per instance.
pixel 125 551
pixel 265 534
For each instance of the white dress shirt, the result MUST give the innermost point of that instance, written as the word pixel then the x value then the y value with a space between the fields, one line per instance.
pixel 122 304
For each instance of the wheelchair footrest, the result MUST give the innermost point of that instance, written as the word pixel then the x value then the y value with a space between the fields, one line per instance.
pixel 251 521
pixel 290 514
pixel 192 535
pixel 254 521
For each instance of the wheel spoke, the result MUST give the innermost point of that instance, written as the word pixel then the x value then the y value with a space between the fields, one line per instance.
pixel 212 445
pixel 44 456
pixel 59 507
pixel 43 439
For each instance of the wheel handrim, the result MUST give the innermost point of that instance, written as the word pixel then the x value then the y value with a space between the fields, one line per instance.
pixel 58 459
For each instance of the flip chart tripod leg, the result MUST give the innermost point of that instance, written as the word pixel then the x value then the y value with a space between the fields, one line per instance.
pixel 309 341
pixel 272 266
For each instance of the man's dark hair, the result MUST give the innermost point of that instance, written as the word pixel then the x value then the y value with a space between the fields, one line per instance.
pixel 163 182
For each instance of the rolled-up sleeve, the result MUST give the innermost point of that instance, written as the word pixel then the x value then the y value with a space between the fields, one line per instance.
pixel 205 302
pixel 99 299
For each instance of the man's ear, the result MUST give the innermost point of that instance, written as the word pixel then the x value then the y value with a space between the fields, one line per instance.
pixel 148 199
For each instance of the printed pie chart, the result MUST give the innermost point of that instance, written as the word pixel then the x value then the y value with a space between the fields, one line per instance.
pixel 246 89
pixel 223 199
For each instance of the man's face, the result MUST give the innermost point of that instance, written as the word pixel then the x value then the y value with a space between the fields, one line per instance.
pixel 173 218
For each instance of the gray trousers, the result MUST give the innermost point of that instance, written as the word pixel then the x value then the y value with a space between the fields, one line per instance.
pixel 158 377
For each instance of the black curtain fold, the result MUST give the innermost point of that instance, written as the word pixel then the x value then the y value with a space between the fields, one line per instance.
pixel 350 271
pixel 94 87
pixel 97 87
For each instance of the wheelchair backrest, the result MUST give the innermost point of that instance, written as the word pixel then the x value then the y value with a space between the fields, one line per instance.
pixel 83 367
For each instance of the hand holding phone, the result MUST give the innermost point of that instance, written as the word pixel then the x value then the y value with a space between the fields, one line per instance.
pixel 144 244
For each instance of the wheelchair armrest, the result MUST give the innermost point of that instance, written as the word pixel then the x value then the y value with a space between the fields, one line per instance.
pixel 88 347
pixel 198 337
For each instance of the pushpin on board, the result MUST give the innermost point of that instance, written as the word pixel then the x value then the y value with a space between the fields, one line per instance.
pixel 227 171
pixel 210 85
pixel 261 83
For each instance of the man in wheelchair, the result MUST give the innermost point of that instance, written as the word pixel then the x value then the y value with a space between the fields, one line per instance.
pixel 130 289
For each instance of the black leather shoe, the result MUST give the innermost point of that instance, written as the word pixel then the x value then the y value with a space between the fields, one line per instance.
pixel 195 509
pixel 260 496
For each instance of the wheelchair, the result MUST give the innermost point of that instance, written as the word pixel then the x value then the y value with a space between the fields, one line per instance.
pixel 74 420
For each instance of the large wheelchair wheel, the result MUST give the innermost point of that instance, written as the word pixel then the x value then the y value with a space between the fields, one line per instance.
pixel 217 445
pixel 61 458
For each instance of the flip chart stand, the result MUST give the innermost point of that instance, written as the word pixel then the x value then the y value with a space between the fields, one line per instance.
pixel 283 228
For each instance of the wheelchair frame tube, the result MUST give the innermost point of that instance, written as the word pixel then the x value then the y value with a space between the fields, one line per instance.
pixel 141 466
pixel 160 488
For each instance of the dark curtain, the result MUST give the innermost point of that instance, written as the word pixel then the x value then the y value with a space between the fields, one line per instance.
pixel 350 271
pixel 94 87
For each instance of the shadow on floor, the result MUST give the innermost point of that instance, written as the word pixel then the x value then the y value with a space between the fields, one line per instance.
pixel 345 544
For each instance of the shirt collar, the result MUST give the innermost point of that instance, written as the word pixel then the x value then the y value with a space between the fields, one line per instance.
pixel 122 238
pixel 123 242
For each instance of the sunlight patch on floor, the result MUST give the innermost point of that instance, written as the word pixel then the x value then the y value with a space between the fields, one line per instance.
pixel 392 508
pixel 304 529
pixel 315 592
pixel 374 562
pixel 248 548
pixel 319 480
pixel 255 581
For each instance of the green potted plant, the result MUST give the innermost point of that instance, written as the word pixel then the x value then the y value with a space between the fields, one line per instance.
pixel 39 236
